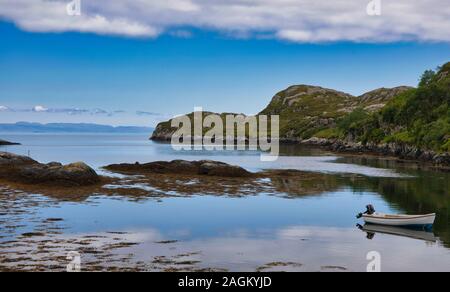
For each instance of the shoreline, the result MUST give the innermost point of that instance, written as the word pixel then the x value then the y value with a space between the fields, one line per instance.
pixel 391 151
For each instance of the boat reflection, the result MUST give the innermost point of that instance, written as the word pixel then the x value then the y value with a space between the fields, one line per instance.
pixel 372 230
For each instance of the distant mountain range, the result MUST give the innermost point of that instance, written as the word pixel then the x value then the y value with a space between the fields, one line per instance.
pixel 25 127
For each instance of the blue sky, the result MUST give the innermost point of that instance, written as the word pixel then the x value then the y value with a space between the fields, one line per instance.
pixel 115 79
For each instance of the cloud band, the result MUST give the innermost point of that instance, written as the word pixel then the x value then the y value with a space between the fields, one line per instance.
pixel 305 21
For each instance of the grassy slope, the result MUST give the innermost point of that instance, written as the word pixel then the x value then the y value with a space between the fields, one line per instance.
pixel 309 111
pixel 305 110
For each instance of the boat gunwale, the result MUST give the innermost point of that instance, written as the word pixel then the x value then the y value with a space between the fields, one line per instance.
pixel 400 217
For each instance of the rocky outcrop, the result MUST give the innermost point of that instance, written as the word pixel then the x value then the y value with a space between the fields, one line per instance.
pixel 176 167
pixel 5 143
pixel 377 99
pixel 308 99
pixel 163 132
pixel 401 151
pixel 24 170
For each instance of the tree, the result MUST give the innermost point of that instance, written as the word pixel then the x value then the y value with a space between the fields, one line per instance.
pixel 427 77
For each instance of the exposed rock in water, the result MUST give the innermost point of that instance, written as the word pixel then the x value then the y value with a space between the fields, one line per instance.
pixel 5 143
pixel 22 169
pixel 204 167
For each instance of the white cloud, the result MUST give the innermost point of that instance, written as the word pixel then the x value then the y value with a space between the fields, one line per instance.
pixel 39 109
pixel 292 20
pixel 4 108
pixel 51 16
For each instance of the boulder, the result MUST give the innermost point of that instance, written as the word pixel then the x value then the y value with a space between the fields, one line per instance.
pixel 21 169
pixel 214 168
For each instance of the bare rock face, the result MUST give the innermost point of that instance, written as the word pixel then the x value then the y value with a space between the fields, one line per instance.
pixel 204 167
pixel 378 98
pixel 21 169
pixel 383 95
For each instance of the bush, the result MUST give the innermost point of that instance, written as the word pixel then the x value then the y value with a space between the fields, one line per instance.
pixel 357 117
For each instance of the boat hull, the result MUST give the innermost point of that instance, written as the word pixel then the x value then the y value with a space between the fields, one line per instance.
pixel 401 220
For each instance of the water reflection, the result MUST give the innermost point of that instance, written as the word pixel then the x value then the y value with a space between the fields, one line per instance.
pixel 427 192
pixel 289 220
pixel 372 230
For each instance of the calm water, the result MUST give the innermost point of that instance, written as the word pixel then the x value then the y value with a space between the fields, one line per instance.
pixel 283 230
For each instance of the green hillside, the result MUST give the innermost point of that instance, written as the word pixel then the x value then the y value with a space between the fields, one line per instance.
pixel 417 117
pixel 311 111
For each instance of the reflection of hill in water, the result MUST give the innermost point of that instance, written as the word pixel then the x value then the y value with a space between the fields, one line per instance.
pixel 293 184
pixel 419 196
pixel 427 191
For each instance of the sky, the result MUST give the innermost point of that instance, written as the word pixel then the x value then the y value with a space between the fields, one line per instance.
pixel 138 62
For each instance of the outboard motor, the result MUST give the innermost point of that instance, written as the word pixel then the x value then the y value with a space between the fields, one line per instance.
pixel 370 210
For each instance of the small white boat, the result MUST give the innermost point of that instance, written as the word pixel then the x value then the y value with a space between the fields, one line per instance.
pixel 400 220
